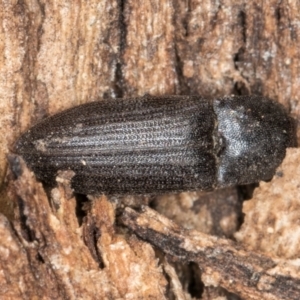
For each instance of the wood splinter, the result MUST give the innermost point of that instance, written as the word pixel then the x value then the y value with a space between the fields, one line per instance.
pixel 221 261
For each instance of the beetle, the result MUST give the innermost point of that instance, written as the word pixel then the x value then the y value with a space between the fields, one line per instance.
pixel 160 144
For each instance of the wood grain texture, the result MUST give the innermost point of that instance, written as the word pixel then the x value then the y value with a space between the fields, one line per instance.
pixel 55 55
pixel 245 273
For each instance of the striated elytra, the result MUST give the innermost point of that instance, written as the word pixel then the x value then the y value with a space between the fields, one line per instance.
pixel 160 144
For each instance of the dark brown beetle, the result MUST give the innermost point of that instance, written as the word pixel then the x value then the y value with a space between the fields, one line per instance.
pixel 160 144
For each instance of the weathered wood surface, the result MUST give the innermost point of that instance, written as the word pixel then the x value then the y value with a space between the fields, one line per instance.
pixel 56 54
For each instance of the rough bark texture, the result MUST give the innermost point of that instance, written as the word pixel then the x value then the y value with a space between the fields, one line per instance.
pixel 49 254
pixel 56 54
pixel 248 274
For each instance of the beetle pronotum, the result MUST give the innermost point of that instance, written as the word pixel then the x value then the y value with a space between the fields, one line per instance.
pixel 160 144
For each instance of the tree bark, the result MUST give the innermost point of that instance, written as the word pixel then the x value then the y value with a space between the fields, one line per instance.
pixel 57 54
